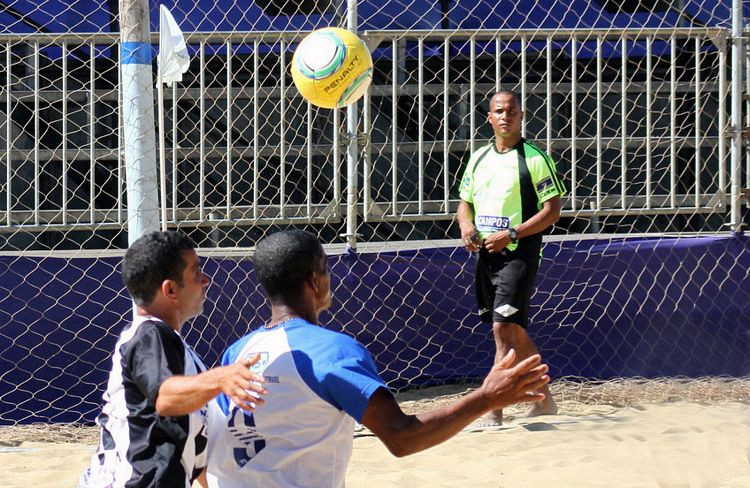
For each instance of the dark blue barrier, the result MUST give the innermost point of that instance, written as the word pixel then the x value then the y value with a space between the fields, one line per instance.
pixel 600 311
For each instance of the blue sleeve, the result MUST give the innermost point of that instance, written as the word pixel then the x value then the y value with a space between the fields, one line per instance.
pixel 342 373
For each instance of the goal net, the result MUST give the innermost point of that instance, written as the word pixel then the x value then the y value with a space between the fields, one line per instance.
pixel 643 276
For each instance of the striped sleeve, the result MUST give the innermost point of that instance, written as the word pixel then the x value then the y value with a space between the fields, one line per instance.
pixel 547 181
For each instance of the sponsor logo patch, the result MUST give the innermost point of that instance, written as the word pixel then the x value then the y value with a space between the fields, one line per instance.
pixel 262 363
pixel 490 222
pixel 546 182
pixel 506 310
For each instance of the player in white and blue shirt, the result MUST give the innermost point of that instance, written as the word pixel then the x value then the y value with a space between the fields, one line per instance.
pixel 320 381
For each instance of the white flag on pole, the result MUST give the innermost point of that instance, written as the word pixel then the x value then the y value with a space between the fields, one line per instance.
pixel 173 55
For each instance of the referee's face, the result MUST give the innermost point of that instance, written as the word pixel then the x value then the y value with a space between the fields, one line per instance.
pixel 505 116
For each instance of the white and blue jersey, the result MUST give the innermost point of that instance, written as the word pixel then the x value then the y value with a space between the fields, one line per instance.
pixel 319 382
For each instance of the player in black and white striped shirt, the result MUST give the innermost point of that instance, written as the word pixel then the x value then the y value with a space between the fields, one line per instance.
pixel 153 419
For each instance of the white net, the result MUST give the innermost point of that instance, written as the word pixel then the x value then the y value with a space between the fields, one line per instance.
pixel 642 276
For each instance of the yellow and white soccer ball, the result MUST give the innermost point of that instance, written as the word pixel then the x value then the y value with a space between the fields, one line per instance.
pixel 332 67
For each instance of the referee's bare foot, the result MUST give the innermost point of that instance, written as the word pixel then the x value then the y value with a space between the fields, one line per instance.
pixel 545 407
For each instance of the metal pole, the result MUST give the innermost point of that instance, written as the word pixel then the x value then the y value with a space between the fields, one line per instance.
pixel 736 141
pixel 138 119
pixel 351 149
pixel 9 135
pixel 394 127
pixel 420 123
pixel 573 123
pixel 282 131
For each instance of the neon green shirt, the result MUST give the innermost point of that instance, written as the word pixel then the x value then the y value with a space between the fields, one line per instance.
pixel 508 188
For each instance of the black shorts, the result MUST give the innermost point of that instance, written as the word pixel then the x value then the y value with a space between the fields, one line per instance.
pixel 504 284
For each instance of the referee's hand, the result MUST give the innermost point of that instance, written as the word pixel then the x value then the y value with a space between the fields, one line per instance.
pixel 470 238
pixel 497 242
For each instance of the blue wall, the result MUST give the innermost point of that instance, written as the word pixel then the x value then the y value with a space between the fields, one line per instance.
pixel 600 311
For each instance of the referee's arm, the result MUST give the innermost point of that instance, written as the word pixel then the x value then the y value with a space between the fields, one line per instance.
pixel 546 217
pixel 469 235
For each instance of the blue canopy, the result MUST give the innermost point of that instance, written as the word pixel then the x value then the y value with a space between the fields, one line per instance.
pixel 95 16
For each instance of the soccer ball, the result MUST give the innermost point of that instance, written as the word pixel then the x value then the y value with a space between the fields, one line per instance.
pixel 332 67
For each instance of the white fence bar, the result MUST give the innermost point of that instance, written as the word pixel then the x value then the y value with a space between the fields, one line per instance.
pixel 446 121
pixel 174 153
pixel 599 123
pixel 574 124
pixel 8 136
pixel 337 197
pixel 523 84
pixel 736 101
pixel 64 123
pixel 672 123
pixel 649 101
pixel 472 95
pixel 624 123
pixel 35 185
pixel 256 131
pixel 120 174
pixel 394 125
pixel 697 122
pixel 309 158
pixel 92 134
pixel 747 119
pixel 366 159
pixel 420 122
pixel 230 123
pixel 548 79
pixel 282 131
pixel 498 62
pixel 202 134
pixel 722 129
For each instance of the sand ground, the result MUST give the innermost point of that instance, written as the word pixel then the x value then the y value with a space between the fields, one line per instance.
pixel 666 445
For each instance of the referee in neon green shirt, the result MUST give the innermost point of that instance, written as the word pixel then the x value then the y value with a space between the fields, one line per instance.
pixel 510 194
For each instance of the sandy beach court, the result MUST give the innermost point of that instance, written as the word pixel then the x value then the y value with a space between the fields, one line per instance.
pixel 664 445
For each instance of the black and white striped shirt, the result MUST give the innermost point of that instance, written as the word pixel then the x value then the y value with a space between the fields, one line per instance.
pixel 139 447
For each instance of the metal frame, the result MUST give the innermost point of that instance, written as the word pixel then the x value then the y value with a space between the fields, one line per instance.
pixel 394 207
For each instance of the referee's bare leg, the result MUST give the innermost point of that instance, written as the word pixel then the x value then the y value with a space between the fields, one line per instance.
pixel 508 336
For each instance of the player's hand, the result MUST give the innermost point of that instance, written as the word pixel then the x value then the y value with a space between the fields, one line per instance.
pixel 506 385
pixel 241 385
pixel 497 242
pixel 470 238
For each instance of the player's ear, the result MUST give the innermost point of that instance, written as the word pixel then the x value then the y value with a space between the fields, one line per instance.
pixel 168 288
pixel 312 281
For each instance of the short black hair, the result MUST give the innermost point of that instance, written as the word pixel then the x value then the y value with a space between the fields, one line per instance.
pixel 284 260
pixel 150 260
pixel 507 92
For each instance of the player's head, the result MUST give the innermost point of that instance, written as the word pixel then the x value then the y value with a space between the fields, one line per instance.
pixel 157 257
pixel 285 261
pixel 505 114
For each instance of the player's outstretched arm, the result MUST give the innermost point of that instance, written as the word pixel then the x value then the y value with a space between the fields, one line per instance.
pixel 406 434
pixel 180 395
